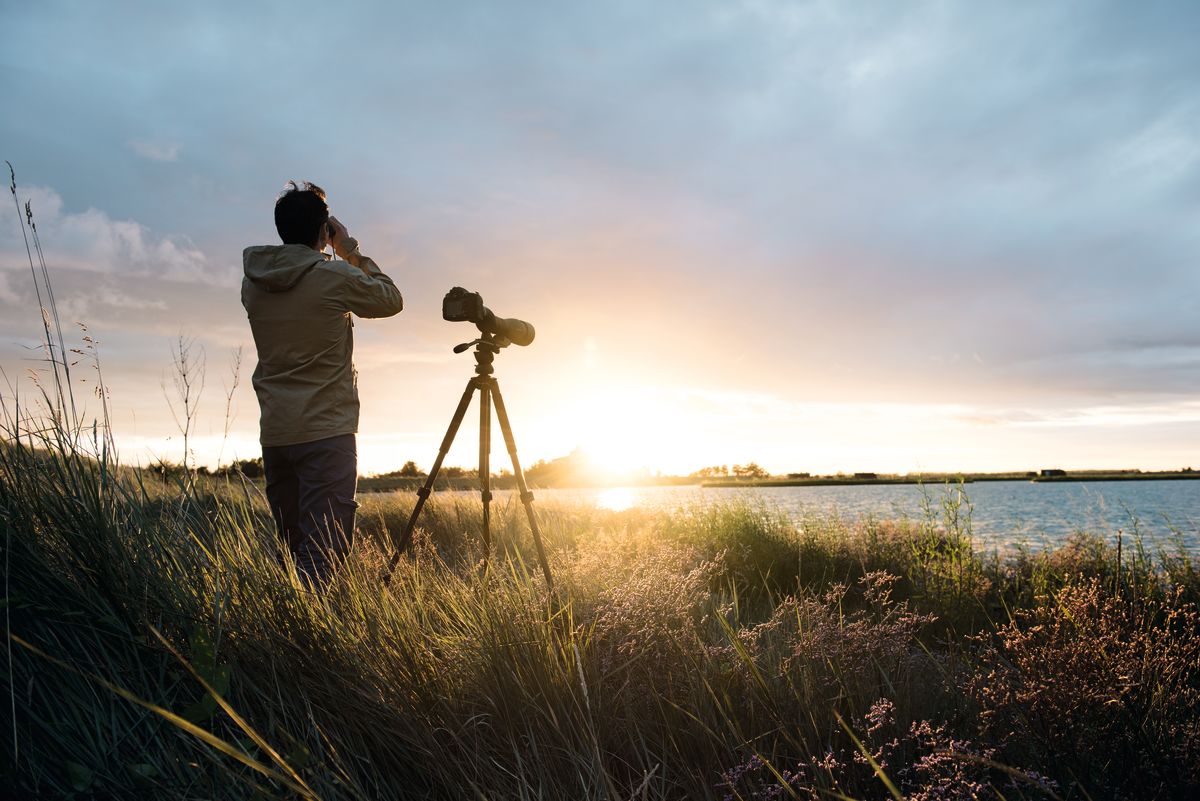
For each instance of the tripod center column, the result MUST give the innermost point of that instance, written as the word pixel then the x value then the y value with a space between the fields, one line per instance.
pixel 485 453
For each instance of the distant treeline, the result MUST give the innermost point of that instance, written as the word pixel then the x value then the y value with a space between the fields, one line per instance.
pixel 574 471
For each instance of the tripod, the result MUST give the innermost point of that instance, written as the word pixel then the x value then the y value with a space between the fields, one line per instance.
pixel 486 348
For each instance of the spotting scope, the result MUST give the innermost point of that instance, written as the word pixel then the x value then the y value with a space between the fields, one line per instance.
pixel 459 305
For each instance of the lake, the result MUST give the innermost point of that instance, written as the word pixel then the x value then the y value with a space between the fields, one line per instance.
pixel 1005 513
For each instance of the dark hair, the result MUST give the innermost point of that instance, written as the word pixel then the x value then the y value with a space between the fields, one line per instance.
pixel 300 213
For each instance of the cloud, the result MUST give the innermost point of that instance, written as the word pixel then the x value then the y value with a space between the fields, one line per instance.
pixel 730 405
pixel 91 240
pixel 1179 413
pixel 7 295
pixel 156 151
pixel 83 305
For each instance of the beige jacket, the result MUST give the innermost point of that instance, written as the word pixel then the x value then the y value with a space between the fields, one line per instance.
pixel 299 303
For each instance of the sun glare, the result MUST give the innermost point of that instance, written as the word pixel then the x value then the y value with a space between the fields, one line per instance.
pixel 636 430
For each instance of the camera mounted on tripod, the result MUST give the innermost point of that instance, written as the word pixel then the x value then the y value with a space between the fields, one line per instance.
pixel 459 305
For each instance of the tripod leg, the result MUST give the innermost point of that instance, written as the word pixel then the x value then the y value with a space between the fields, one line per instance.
pixel 485 469
pixel 423 492
pixel 526 495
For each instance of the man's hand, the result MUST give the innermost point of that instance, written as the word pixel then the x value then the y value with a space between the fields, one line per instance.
pixel 343 243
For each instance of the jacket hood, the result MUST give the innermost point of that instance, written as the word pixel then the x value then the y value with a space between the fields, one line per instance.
pixel 278 268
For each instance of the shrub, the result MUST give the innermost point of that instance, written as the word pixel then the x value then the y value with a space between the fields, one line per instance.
pixel 1104 689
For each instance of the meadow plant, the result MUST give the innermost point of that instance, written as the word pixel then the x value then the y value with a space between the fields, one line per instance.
pixel 645 598
pixel 823 649
pixel 920 762
pixel 1099 686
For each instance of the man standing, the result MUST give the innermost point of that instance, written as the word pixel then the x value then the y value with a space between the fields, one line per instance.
pixel 299 301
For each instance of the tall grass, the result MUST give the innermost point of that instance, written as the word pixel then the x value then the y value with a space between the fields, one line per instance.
pixel 711 653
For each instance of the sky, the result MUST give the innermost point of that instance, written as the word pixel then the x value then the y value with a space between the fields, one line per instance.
pixel 818 236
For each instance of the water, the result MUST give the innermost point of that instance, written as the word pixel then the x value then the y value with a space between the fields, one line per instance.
pixel 1005 513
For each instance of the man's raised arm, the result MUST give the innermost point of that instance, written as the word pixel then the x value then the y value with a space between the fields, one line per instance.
pixel 371 294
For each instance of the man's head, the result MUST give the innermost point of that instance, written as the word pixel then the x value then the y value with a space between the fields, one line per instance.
pixel 301 215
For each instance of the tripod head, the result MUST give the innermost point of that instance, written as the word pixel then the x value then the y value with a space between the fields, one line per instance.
pixel 486 348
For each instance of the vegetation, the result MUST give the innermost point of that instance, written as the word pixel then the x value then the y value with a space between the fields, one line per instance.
pixel 157 647
pixel 717 471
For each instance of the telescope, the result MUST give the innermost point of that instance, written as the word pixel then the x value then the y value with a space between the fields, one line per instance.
pixel 459 305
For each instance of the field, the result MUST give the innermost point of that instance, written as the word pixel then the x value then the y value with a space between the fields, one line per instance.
pixel 157 649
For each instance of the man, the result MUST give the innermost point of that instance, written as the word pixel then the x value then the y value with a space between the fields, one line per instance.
pixel 299 301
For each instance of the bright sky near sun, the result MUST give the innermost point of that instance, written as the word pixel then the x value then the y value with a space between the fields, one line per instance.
pixel 819 236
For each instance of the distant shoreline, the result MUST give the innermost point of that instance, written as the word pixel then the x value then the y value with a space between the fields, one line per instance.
pixel 505 482
pixel 966 478
pixel 1119 477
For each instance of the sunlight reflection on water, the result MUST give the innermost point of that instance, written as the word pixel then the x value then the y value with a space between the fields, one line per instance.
pixel 1004 514
pixel 617 499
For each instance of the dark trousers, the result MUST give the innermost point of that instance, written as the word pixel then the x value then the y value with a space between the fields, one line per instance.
pixel 310 488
